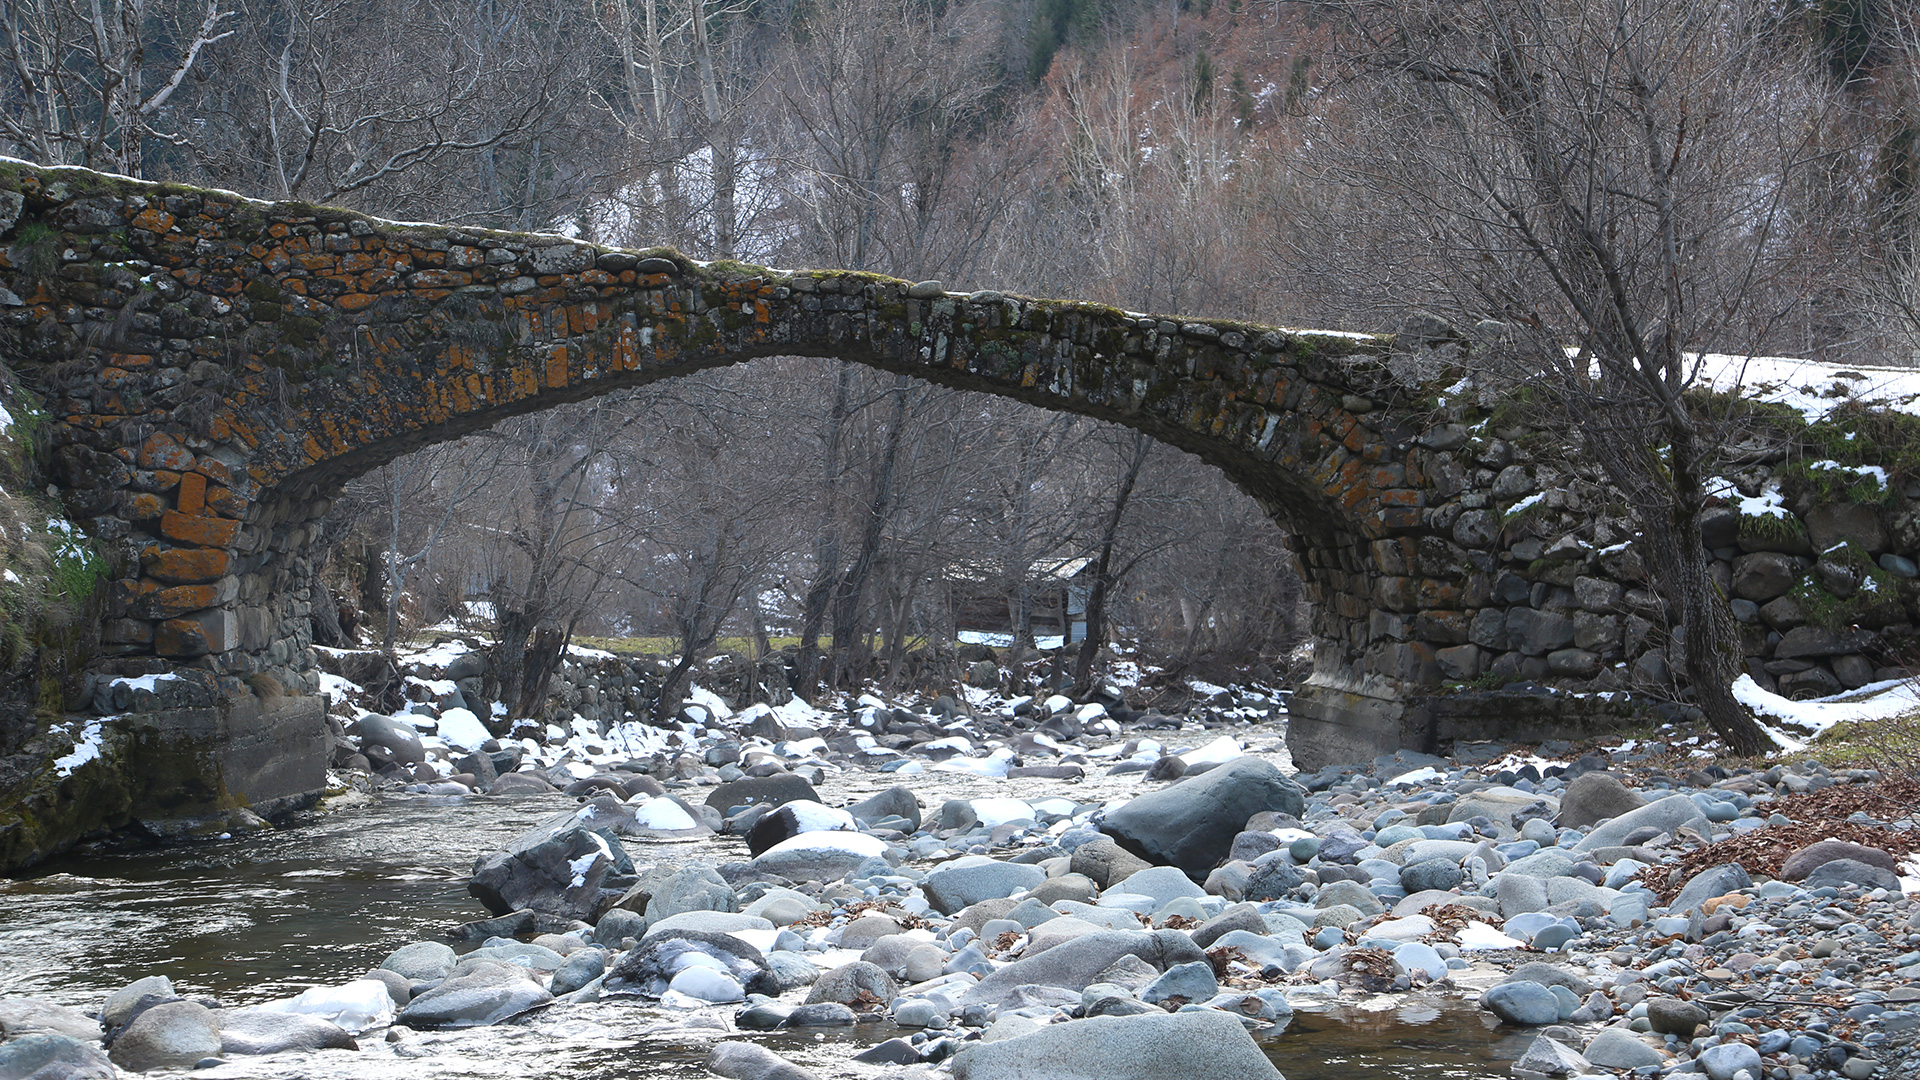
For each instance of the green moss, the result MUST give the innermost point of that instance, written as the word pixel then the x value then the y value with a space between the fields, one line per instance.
pixel 1772 529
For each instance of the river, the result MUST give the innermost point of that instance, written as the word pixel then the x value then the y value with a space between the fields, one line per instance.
pixel 254 918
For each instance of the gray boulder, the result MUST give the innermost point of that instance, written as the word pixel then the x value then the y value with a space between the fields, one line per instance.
pixel 256 1031
pixel 1723 1061
pixel 1204 1045
pixel 487 994
pixel 760 790
pixel 422 961
pixel 1666 815
pixel 1617 1048
pixel 1528 1004
pixel 399 740
pixel 1709 883
pixel 1074 963
pixel 964 884
pixel 893 802
pixel 1852 872
pixel 20 1017
pixel 555 868
pixel 1104 862
pixel 740 1060
pixel 646 970
pixel 847 983
pixel 1192 824
pixel 122 1003
pixel 1594 797
pixel 53 1057
pixel 171 1035
pixel 1807 859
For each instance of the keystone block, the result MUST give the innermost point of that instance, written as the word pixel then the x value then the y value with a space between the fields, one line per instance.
pixel 204 531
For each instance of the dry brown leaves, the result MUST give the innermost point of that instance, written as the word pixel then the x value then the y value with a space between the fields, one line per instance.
pixel 907 920
pixel 1180 922
pixel 1765 850
pixel 1450 919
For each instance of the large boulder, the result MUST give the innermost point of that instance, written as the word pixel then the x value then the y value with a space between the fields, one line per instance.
pixel 1806 860
pixel 1073 964
pixel 1205 1045
pixel 487 993
pixel 1666 815
pixel 893 802
pixel 1192 824
pixel 738 1059
pixel 968 881
pixel 257 1031
pixel 648 969
pixel 820 856
pixel 760 790
pixel 46 1056
pixel 400 741
pixel 777 826
pixel 1594 797
pixel 171 1035
pixel 20 1017
pixel 555 868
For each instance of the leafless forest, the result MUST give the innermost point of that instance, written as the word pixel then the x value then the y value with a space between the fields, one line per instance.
pixel 1743 175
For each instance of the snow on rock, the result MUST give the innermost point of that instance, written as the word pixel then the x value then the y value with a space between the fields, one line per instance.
pixel 995 764
pixel 1219 751
pixel 1478 935
pixel 836 840
pixel 355 1007
pixel 85 748
pixel 461 728
pixel 992 812
pixel 1876 701
pixel 664 814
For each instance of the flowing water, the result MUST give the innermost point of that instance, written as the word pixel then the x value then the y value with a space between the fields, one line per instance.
pixel 256 918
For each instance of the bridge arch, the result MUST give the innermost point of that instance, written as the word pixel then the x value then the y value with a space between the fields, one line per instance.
pixel 217 367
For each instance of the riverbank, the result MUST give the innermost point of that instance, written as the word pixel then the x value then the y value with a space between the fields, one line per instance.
pixel 1398 897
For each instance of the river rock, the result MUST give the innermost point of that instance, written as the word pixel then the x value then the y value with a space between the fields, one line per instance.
pixel 521 783
pixel 581 967
pixel 779 788
pixel 1524 1003
pixel 968 881
pixel 486 994
pixel 648 969
pixel 1666 815
pixel 422 961
pixel 1594 797
pixel 791 819
pixel 1431 874
pixel 555 868
pixel 45 1056
pixel 1617 1048
pixel 255 1031
pixel 893 802
pixel 1852 872
pixel 399 740
pixel 1202 1045
pixel 1073 964
pixel 1103 862
pixel 20 1017
pixel 1805 860
pixel 1192 824
pixel 740 1060
pixel 1550 1057
pixel 171 1035
pixel 820 856
pixel 666 892
pixel 1162 883
pixel 855 983
pixel 1709 883
pixel 1182 984
pixel 124 1002
pixel 1671 1016
pixel 1721 1062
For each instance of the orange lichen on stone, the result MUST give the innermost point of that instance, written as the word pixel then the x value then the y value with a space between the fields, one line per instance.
pixel 193 493
pixel 354 301
pixel 185 566
pixel 153 219
pixel 163 451
pixel 204 531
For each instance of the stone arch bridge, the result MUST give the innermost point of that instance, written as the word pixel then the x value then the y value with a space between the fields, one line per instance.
pixel 215 368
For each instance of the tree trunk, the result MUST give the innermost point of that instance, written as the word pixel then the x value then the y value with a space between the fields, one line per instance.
pixel 1103 577
pixel 853 584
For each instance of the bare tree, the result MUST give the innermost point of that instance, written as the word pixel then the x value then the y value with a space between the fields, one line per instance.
pixel 88 84
pixel 1604 188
